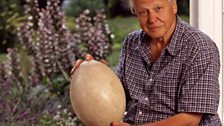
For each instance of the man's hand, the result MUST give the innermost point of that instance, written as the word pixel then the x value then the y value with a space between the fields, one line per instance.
pixel 119 124
pixel 79 61
pixel 87 58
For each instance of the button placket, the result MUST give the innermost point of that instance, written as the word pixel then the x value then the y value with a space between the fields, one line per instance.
pixel 140 112
pixel 146 99
pixel 151 77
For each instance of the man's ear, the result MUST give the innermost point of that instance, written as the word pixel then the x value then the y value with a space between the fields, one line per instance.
pixel 174 6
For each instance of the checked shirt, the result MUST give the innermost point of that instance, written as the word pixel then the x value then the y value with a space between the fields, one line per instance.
pixel 183 79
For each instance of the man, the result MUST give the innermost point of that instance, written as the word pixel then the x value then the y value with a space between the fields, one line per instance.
pixel 169 70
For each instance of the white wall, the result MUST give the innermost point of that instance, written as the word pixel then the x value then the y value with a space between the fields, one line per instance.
pixel 208 16
pixel 222 60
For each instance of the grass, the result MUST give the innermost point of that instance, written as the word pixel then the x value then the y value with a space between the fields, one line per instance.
pixel 185 18
pixel 3 57
pixel 120 27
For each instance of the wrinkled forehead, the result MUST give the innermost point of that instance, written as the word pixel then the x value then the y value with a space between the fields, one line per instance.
pixel 132 2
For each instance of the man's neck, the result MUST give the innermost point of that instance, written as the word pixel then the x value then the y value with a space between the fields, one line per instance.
pixel 165 39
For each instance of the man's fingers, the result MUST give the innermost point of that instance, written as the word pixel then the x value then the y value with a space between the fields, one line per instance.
pixel 77 63
pixel 104 62
pixel 114 124
pixel 119 124
pixel 89 57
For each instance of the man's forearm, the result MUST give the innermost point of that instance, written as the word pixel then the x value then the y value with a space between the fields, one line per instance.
pixel 182 119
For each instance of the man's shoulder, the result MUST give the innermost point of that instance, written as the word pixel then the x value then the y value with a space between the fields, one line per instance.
pixel 196 37
pixel 134 37
pixel 192 32
pixel 135 34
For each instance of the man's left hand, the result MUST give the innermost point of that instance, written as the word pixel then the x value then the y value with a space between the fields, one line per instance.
pixel 119 124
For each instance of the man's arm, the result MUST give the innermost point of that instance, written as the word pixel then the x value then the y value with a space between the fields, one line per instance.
pixel 181 119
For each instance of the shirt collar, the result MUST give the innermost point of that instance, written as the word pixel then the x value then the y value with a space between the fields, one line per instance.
pixel 142 39
pixel 175 43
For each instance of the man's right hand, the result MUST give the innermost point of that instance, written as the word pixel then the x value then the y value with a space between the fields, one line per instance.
pixel 87 58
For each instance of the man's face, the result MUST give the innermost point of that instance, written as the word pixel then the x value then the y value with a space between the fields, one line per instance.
pixel 156 17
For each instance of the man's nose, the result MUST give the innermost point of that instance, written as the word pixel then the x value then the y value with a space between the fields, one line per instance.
pixel 152 17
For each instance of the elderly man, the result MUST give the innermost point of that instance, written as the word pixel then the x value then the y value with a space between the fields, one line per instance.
pixel 169 70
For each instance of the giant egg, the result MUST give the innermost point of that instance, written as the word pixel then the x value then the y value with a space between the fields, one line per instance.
pixel 96 94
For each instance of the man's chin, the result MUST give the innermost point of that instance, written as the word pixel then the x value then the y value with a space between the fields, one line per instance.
pixel 156 36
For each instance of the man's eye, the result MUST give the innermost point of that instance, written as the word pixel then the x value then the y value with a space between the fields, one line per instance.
pixel 157 9
pixel 143 13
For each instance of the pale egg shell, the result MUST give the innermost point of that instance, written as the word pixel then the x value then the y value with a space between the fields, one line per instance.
pixel 96 94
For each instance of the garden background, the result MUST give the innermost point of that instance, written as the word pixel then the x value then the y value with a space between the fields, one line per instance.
pixel 39 42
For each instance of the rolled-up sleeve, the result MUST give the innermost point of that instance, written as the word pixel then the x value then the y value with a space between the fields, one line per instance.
pixel 200 92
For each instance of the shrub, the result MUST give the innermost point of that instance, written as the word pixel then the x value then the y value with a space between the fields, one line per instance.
pixel 9 18
pixel 41 97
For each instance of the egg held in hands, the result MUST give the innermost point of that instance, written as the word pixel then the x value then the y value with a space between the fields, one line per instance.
pixel 96 94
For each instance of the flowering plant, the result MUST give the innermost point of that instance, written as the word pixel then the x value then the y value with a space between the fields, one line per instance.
pixel 40 96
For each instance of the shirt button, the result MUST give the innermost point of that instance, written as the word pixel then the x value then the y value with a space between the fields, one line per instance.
pixel 146 99
pixel 150 79
pixel 140 112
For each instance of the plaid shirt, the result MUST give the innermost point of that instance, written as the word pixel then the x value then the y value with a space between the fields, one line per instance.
pixel 183 79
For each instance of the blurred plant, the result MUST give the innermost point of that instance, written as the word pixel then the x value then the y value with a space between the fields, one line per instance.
pixel 75 7
pixel 34 97
pixel 10 12
pixel 2 73
pixel 183 7
pixel 12 89
pixel 94 35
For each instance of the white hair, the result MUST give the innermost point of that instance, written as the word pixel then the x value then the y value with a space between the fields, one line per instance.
pixel 131 4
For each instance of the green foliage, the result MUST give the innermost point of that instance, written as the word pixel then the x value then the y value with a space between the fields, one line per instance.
pixel 185 18
pixel 75 7
pixel 3 57
pixel 10 12
pixel 120 27
pixel 183 7
pixel 110 3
